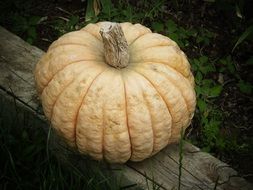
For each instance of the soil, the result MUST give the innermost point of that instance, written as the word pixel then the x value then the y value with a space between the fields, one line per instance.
pixel 238 107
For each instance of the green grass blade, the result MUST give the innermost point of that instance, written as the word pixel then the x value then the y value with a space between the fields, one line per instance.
pixel 107 7
pixel 247 32
pixel 90 13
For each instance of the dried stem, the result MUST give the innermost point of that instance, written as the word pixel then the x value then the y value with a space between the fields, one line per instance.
pixel 115 45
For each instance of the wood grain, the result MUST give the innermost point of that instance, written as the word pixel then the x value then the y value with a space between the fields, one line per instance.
pixel 199 170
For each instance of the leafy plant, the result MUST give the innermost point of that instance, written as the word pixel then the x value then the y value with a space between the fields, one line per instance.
pixel 179 34
pixel 63 25
pixel 17 16
pixel 123 11
pixel 183 37
pixel 245 87
pixel 209 116
pixel 204 36
pixel 227 66
pixel 92 10
pixel 25 26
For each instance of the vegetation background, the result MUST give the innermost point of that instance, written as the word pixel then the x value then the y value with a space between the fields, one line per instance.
pixel 217 37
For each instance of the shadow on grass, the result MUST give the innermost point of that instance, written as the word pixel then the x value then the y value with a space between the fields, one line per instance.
pixel 27 163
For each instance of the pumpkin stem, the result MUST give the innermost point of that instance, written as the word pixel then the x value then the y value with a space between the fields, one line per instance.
pixel 115 45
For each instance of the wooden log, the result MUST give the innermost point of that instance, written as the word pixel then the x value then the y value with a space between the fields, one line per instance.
pixel 199 170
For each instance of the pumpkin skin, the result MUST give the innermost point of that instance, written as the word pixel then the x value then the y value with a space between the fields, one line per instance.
pixel 116 114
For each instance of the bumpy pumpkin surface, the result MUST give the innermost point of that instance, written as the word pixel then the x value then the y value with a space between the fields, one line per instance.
pixel 116 114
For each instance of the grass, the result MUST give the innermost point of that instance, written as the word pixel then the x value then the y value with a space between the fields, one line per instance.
pixel 27 163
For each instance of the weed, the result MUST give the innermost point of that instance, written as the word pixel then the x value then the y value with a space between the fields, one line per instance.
pixel 245 87
pixel 25 26
pixel 19 20
pixel 208 114
pixel 66 24
pixel 27 163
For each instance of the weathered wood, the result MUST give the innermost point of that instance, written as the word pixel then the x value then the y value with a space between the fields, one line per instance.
pixel 199 170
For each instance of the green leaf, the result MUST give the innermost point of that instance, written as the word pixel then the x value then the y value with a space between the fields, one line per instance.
pixel 199 39
pixel 128 13
pixel 246 34
pixel 174 36
pixel 171 25
pixel 231 68
pixel 245 87
pixel 192 32
pixel 212 129
pixel 199 77
pixel 204 119
pixel 198 90
pixel 107 7
pixel 215 91
pixel 180 43
pixel 203 59
pixel 90 13
pixel 158 26
pixel 207 82
pixel 228 62
pixel 196 61
pixel 206 68
pixel 201 105
pixel 73 21
pixel 194 67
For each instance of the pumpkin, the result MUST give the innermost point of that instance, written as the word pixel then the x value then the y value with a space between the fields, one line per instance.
pixel 116 92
